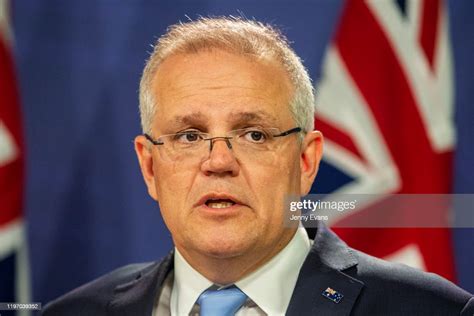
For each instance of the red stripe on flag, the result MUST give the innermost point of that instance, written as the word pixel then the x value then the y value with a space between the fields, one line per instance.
pixel 11 175
pixel 429 28
pixel 376 71
pixel 341 138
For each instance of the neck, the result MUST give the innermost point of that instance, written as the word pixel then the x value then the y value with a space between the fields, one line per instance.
pixel 227 270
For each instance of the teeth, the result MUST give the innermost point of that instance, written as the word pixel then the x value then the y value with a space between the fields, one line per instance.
pixel 219 204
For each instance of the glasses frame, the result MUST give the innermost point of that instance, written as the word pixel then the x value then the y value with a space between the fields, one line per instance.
pixel 225 138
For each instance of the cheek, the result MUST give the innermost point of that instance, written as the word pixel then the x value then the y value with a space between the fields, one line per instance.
pixel 272 185
pixel 172 185
pixel 171 179
pixel 286 174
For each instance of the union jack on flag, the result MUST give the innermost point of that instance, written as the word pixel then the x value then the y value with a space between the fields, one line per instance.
pixel 14 274
pixel 385 107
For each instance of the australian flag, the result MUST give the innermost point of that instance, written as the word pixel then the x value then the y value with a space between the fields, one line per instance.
pixel 386 109
pixel 14 276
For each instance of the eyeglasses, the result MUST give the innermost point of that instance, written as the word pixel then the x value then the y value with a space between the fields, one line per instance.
pixel 253 142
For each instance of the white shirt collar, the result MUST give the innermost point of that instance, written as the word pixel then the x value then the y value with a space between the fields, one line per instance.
pixel 188 284
pixel 270 286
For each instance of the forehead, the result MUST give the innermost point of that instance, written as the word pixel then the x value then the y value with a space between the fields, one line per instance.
pixel 220 86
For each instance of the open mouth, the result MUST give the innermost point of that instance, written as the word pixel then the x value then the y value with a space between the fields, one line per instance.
pixel 219 203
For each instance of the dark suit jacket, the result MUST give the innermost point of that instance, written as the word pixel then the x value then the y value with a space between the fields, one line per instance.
pixel 369 286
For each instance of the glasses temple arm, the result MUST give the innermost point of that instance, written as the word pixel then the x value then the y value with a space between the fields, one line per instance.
pixel 154 142
pixel 288 132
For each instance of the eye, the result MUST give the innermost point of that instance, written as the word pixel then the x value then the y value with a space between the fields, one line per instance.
pixel 188 137
pixel 255 136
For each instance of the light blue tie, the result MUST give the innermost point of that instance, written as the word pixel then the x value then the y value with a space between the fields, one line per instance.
pixel 223 302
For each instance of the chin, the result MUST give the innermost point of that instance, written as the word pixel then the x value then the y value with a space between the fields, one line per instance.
pixel 222 247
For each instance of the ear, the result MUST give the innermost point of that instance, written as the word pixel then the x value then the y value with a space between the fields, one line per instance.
pixel 311 154
pixel 145 158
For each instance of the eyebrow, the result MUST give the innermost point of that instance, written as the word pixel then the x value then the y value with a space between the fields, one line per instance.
pixel 246 117
pixel 199 119
pixel 189 119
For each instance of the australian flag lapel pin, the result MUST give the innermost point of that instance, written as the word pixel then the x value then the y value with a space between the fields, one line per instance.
pixel 333 295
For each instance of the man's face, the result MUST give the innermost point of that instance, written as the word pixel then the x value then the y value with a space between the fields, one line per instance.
pixel 216 92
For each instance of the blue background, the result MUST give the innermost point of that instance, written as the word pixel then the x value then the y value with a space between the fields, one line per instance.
pixel 79 64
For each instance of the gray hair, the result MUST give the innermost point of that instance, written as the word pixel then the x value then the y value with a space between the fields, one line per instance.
pixel 234 35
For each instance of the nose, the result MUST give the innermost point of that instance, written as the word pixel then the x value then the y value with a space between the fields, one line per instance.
pixel 221 159
pixel 213 139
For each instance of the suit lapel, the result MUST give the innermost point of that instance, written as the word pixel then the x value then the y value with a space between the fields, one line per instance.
pixel 324 271
pixel 138 296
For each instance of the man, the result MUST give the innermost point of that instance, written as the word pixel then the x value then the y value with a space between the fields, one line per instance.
pixel 227 112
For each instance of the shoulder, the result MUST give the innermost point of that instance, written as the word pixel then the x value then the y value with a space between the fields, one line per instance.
pixel 371 286
pixel 92 298
pixel 389 285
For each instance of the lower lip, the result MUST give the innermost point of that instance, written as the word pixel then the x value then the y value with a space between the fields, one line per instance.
pixel 225 211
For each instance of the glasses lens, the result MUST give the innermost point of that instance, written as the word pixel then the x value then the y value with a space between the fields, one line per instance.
pixel 251 144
